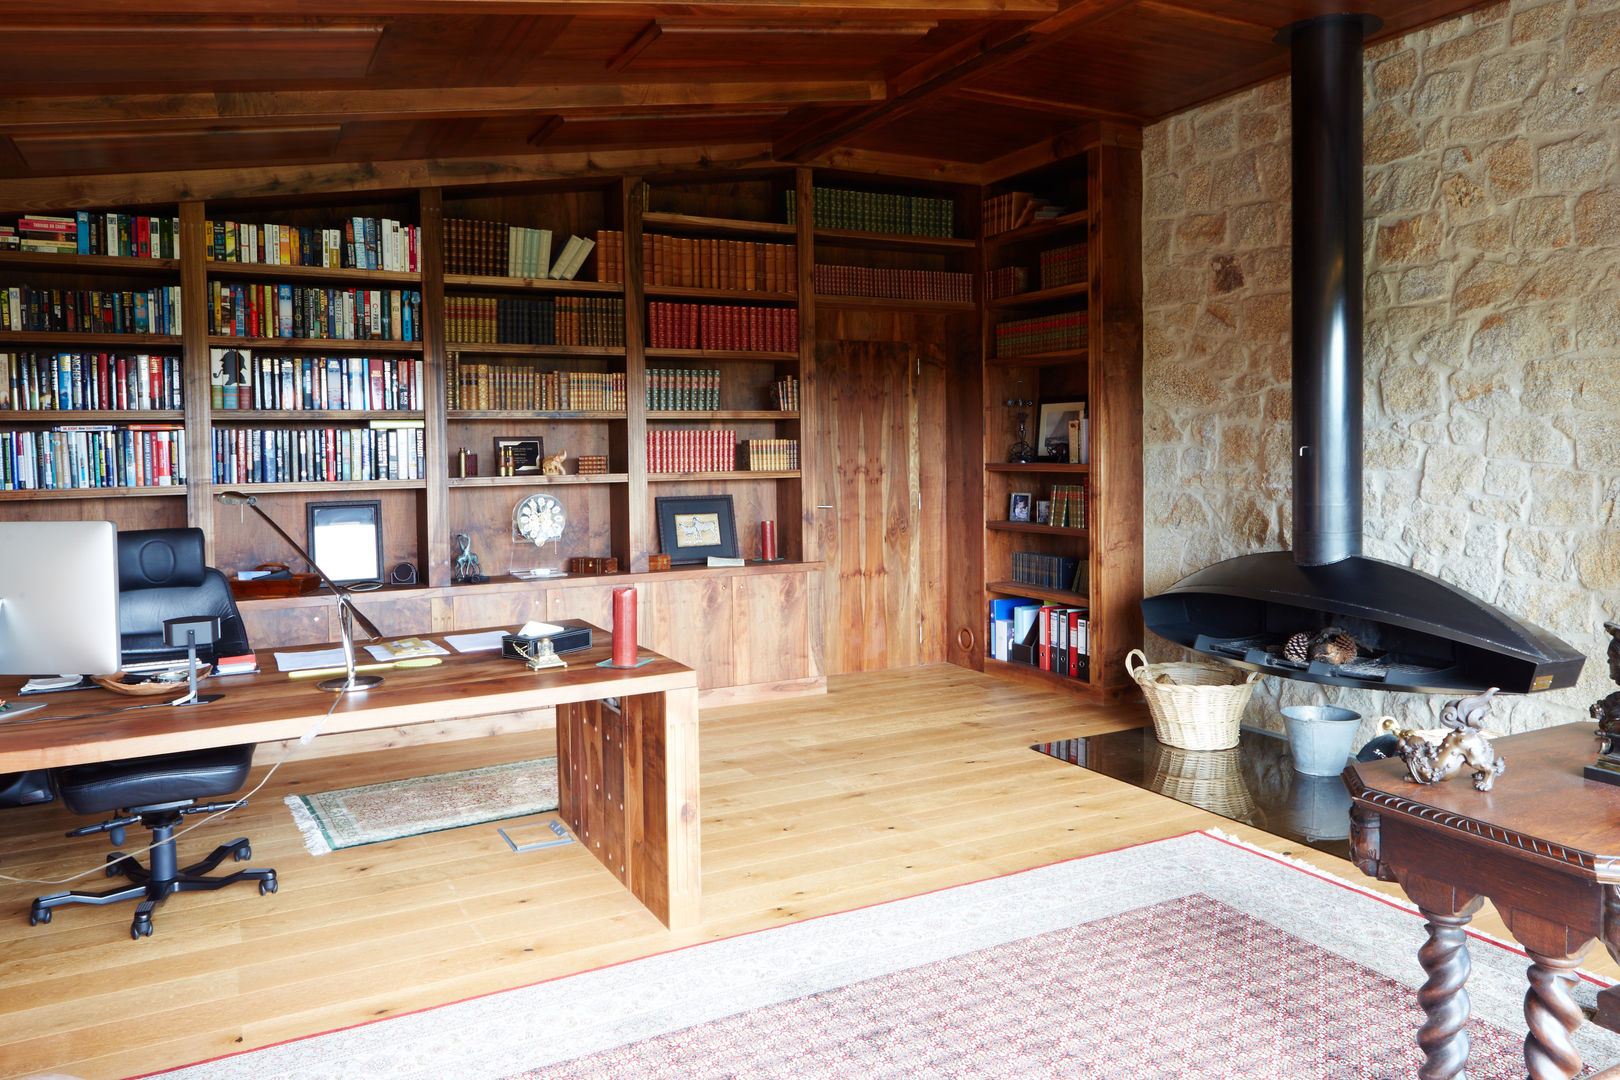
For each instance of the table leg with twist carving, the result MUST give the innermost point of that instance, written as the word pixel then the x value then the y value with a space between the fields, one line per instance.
pixel 1553 1015
pixel 1442 996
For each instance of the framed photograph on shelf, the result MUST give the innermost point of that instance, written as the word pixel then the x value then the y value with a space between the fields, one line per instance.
pixel 693 527
pixel 1052 430
pixel 1043 511
pixel 527 452
pixel 1020 506
pixel 345 540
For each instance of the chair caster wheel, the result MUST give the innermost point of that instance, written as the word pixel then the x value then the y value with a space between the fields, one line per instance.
pixel 112 863
pixel 140 930
pixel 267 887
pixel 244 853
pixel 41 915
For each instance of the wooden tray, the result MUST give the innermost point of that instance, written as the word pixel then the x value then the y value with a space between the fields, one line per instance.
pixel 255 588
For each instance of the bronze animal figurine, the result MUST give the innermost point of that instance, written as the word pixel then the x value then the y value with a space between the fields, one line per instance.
pixel 552 464
pixel 1465 743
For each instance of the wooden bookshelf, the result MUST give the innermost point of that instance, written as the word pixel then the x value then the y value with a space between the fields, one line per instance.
pixel 565 286
pixel 332 346
pixel 730 228
pixel 346 277
pixel 892 241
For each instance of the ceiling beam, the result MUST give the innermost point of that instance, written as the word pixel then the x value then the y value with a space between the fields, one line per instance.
pixel 1046 105
pixel 312 106
pixel 914 89
pixel 811 11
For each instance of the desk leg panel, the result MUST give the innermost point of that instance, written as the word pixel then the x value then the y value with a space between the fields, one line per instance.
pixel 665 863
pixel 591 798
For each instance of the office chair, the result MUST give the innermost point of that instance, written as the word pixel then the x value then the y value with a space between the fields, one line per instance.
pixel 161 576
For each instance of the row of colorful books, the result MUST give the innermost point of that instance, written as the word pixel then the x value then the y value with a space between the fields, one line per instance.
pixel 1051 637
pixel 683 389
pixel 362 243
pixel 91 311
pixel 785 391
pixel 722 326
pixel 241 380
pixel 561 320
pixel 877 211
pixel 708 263
pixel 1068 506
pixel 90 233
pixel 1047 571
pixel 382 450
pixel 1007 281
pixel 496 249
pixel 62 382
pixel 1041 334
pixel 93 456
pixel 893 284
pixel 508 386
pixel 771 455
pixel 700 450
pixel 1065 265
pixel 298 311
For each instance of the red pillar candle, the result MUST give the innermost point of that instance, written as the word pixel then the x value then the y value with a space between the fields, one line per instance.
pixel 624 627
pixel 767 540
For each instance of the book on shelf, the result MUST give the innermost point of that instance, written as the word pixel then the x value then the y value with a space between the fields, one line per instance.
pixel 496 249
pixel 877 212
pixel 516 386
pixel 1015 209
pixel 572 259
pixel 78 381
pixel 1065 265
pixel 596 321
pixel 893 284
pixel 379 450
pixel 91 311
pixel 1002 623
pixel 90 456
pixel 610 255
pixel 697 450
pixel 87 233
pixel 361 243
pixel 738 327
pixel 1069 505
pixel 683 389
pixel 1047 571
pixel 771 455
pixel 297 311
pixel 709 263
pixel 1041 334
pixel 242 379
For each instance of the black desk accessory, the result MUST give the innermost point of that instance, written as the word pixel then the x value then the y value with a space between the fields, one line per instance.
pixel 571 639
pixel 192 631
pixel 351 681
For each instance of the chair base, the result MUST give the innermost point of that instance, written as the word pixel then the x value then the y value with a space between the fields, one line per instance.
pixel 152 890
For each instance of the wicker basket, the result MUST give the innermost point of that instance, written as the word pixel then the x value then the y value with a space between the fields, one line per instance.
pixel 1194 706
pixel 1211 779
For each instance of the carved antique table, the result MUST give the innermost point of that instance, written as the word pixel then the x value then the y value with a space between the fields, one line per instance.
pixel 1543 847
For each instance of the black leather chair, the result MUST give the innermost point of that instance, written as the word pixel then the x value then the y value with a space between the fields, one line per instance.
pixel 161 576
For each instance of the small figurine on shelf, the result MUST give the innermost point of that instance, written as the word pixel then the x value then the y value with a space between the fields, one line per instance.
pixel 552 464
pixel 1606 711
pixel 466 570
pixel 1465 742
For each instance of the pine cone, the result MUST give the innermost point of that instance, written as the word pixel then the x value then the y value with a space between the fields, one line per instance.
pixel 1333 646
pixel 1298 648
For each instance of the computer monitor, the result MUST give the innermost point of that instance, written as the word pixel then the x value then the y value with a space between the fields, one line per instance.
pixel 58 598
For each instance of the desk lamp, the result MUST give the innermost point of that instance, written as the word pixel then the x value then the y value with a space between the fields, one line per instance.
pixel 351 680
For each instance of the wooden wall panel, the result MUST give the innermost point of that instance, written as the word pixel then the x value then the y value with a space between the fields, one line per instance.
pixel 690 620
pixel 771 613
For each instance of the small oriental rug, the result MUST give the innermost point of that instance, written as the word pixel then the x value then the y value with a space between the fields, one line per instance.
pixel 1192 958
pixel 371 813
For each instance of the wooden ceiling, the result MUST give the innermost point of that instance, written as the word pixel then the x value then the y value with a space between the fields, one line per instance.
pixel 951 88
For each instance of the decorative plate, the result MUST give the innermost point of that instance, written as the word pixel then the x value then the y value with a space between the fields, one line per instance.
pixel 539 519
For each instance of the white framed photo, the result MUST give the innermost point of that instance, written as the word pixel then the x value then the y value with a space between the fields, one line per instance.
pixel 1019 506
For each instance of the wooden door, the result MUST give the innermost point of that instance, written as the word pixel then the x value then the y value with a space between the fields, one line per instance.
pixel 877 508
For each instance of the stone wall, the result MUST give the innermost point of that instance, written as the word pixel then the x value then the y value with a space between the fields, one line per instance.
pixel 1492 358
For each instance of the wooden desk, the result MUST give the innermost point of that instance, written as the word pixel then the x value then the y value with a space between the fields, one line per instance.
pixel 627 779
pixel 1543 846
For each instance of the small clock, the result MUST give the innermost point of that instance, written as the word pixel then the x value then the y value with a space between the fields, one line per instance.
pixel 539 519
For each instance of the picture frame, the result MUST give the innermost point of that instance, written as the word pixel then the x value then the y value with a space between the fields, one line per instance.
pixel 1020 506
pixel 528 451
pixel 1043 511
pixel 345 540
pixel 1052 428
pixel 691 528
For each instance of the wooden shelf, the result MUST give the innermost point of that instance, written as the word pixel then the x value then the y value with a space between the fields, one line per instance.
pixel 337 275
pixel 538 480
pixel 661 478
pixel 490 283
pixel 654 221
pixel 1037 229
pixel 1032 527
pixel 85 342
pixel 1036 592
pixel 91 416
pixel 1047 359
pixel 720 356
pixel 892 241
pixel 1041 296
pixel 993 666
pixel 90 264
pixel 519 414
pixel 884 303
pixel 218 415
pixel 1035 467
pixel 335 346
pixel 689 292
pixel 320 487
pixel 720 414
pixel 486 348
pixel 93 493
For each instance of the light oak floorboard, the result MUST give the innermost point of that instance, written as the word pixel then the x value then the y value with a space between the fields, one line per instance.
pixel 892 784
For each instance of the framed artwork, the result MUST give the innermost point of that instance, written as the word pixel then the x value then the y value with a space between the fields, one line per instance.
pixel 693 527
pixel 1043 512
pixel 345 540
pixel 1019 506
pixel 1052 430
pixel 527 451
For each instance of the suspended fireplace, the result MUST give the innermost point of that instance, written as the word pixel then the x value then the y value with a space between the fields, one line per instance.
pixel 1401 629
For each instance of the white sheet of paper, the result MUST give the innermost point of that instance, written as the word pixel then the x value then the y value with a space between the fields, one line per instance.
pixel 489 639
pixel 304 661
pixel 404 648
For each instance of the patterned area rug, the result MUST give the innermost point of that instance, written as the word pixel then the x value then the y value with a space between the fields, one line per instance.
pixel 371 813
pixel 1194 958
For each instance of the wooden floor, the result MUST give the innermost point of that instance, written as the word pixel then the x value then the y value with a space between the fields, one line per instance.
pixel 892 784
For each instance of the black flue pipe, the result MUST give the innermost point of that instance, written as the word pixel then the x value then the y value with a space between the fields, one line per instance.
pixel 1327 272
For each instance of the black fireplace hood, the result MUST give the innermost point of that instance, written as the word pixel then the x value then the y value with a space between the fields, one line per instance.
pixel 1412 632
